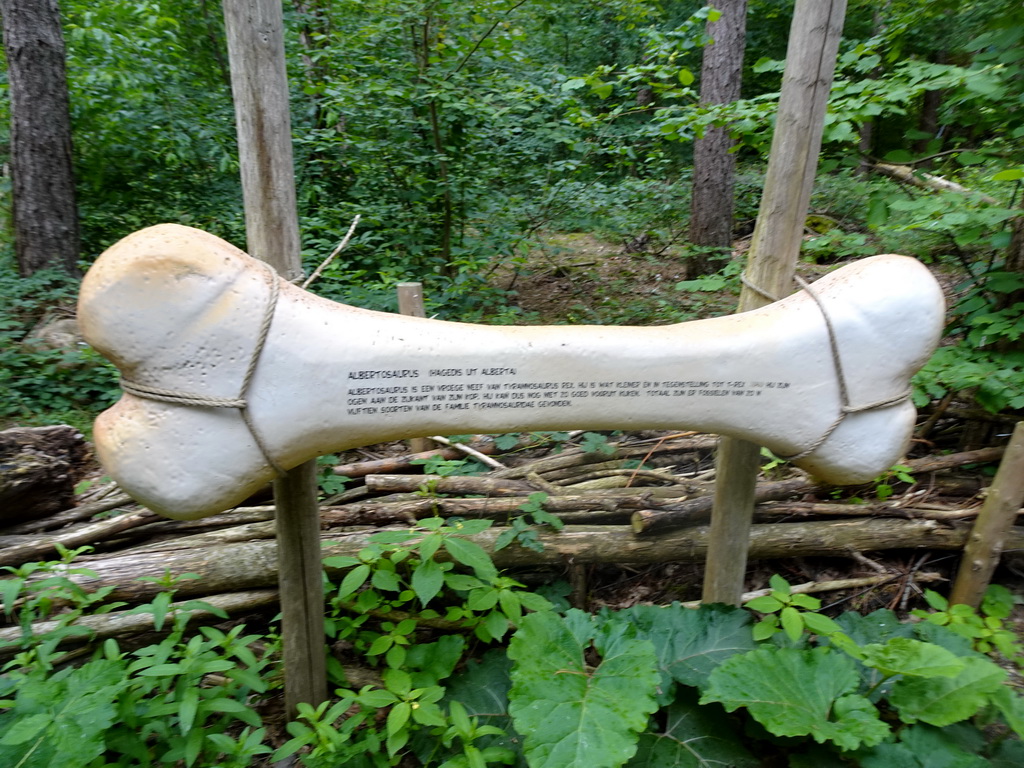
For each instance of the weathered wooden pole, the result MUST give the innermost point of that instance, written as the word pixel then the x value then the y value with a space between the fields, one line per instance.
pixel 810 64
pixel 988 536
pixel 410 302
pixel 255 33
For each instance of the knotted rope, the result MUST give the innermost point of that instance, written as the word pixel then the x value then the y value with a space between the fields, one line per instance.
pixel 845 407
pixel 240 402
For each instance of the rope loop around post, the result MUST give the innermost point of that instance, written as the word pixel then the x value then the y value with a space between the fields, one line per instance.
pixel 177 397
pixel 845 407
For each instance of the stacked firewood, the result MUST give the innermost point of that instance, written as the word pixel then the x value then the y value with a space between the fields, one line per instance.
pixel 644 500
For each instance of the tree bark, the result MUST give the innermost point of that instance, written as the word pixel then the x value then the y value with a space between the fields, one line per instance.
pixel 38 471
pixel 43 188
pixel 714 164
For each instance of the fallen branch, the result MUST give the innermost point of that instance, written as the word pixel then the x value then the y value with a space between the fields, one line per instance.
pixel 815 587
pixel 907 175
pixel 245 565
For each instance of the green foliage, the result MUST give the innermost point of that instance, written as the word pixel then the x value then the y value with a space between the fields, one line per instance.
pixel 642 687
pixel 572 710
pixel 150 706
pixel 75 382
pixel 986 629
pixel 522 528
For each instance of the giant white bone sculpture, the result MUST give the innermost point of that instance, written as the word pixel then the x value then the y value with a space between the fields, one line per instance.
pixel 232 375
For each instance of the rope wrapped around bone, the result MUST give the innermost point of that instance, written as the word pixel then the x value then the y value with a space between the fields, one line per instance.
pixel 233 375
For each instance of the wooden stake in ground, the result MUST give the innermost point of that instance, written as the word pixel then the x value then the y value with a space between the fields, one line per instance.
pixel 255 33
pixel 810 64
pixel 410 302
pixel 987 539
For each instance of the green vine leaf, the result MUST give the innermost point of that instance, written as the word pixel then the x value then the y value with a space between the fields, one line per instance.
pixel 573 714
pixel 799 693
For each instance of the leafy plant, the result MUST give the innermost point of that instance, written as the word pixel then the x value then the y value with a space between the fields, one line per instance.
pixel 986 629
pixel 522 528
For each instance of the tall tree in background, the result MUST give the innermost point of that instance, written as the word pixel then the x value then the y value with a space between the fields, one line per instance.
pixel 43 192
pixel 714 165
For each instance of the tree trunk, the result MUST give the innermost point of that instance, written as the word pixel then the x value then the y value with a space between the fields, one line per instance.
pixel 711 207
pixel 43 194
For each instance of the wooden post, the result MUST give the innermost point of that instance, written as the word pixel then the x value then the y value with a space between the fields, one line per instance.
pixel 810 64
pixel 255 34
pixel 410 302
pixel 985 544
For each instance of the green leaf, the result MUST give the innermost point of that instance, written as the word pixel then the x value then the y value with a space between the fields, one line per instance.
pixel 353 580
pixel 1010 174
pixel 187 709
pixel 799 693
pixel 575 716
pixel 25 728
pixel 427 580
pixel 922 746
pixel 765 604
pixel 942 701
pixel 906 656
pixel 792 622
pixel 472 554
pixel 690 643
pixel 693 737
pixel 1011 705
pixel 398 717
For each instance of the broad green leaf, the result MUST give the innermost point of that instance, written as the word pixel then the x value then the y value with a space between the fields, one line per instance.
pixel 799 693
pixel 693 737
pixel 1010 174
pixel 18 731
pixel 574 715
pixel 353 580
pixel 906 656
pixel 472 554
pixel 690 643
pixel 1011 705
pixel 482 688
pixel 922 746
pixel 427 580
pixel 942 701
pixel 764 604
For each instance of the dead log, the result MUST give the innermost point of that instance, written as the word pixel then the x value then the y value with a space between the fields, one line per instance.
pixel 39 467
pixel 466 484
pixel 45 546
pixel 648 521
pixel 580 458
pixel 907 175
pixel 405 462
pixel 248 565
pixel 72 515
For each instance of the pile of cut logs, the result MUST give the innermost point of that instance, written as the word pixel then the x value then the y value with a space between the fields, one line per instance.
pixel 643 500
